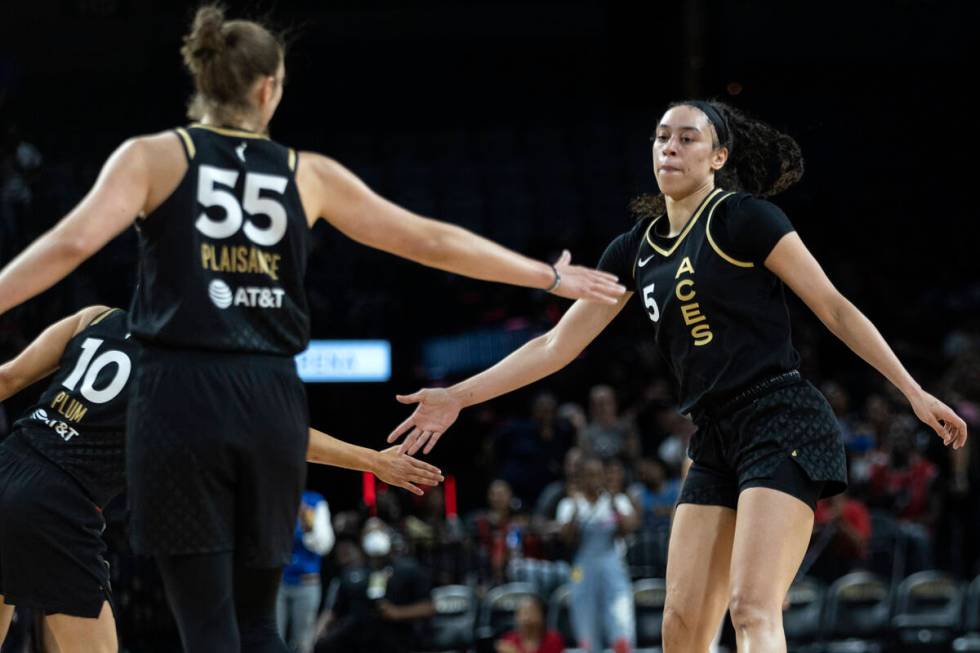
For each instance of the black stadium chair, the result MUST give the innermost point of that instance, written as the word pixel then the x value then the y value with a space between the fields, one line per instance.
pixel 498 611
pixel 928 611
pixel 454 623
pixel 559 617
pixel 856 614
pixel 970 642
pixel 649 595
pixel 801 619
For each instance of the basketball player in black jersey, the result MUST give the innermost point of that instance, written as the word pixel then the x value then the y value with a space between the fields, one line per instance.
pixel 64 461
pixel 710 261
pixel 217 426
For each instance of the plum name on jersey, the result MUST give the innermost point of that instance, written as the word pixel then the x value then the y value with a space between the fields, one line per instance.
pixel 685 291
pixel 239 259
pixel 68 406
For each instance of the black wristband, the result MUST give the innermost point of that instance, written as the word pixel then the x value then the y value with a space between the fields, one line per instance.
pixel 556 283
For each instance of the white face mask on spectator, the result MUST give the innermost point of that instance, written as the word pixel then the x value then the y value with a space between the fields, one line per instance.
pixel 376 544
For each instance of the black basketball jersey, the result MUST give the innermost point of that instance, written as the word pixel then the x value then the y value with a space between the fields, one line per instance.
pixel 719 316
pixel 222 260
pixel 79 423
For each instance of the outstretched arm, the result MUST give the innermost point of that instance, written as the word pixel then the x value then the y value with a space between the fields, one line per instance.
pixel 41 357
pixel 390 465
pixel 116 199
pixel 544 355
pixel 333 192
pixel 792 262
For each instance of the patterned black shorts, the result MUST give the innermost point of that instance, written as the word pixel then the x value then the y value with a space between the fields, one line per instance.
pixel 216 455
pixel 52 557
pixel 745 444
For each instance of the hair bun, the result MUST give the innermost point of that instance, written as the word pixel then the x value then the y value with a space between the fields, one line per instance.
pixel 206 39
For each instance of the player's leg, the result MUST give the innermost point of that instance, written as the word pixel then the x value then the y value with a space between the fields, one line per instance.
pixel 772 533
pixel 84 635
pixel 200 590
pixel 698 564
pixel 6 616
pixel 256 593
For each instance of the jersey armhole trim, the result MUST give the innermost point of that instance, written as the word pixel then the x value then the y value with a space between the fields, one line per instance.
pixel 711 241
pixel 188 142
pixel 103 315
pixel 292 159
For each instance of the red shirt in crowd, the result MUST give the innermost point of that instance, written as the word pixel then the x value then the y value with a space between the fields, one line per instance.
pixel 550 643
pixel 856 516
pixel 908 485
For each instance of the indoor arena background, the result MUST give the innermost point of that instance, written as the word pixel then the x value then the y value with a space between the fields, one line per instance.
pixel 529 122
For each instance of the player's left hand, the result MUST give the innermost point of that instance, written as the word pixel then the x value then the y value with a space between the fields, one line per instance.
pixel 947 424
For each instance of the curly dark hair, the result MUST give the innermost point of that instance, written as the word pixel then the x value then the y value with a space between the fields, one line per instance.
pixel 761 160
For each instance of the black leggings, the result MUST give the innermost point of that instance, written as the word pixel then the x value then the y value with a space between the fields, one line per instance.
pixel 221 606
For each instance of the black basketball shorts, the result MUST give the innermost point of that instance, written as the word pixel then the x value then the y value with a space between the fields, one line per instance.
pixel 216 451
pixel 779 434
pixel 51 547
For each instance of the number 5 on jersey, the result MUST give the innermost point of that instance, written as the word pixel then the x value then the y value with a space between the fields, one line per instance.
pixel 651 303
pixel 210 194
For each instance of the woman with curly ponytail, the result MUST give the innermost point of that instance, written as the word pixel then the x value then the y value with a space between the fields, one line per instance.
pixel 217 428
pixel 710 257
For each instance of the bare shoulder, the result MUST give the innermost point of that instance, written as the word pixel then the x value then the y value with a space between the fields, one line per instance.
pixel 88 314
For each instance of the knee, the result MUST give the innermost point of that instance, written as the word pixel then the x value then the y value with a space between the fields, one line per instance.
pixel 678 627
pixel 752 612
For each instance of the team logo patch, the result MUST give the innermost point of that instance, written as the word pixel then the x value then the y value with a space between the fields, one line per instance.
pixel 40 414
pixel 220 293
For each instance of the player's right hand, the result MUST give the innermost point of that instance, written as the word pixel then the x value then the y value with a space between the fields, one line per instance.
pixel 436 412
pixel 401 470
pixel 579 282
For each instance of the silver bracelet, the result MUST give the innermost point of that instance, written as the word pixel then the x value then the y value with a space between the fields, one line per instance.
pixel 557 282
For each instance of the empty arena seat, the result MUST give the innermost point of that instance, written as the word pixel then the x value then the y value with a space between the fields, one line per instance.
pixel 649 595
pixel 454 622
pixel 499 606
pixel 801 619
pixel 856 614
pixel 559 618
pixel 970 642
pixel 928 610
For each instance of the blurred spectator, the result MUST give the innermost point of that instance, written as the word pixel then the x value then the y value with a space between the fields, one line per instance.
pixel 301 588
pixel 901 482
pixel 438 539
pixel 841 530
pixel 499 533
pixel 654 494
pixel 557 490
pixel 383 605
pixel 607 435
pixel 529 451
pixel 593 521
pixel 858 441
pixel 529 634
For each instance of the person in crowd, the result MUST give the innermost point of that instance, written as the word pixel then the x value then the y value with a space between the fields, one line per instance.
pixel 557 490
pixel 608 435
pixel 593 522
pixel 654 494
pixel 498 533
pixel 841 531
pixel 301 588
pixel 381 601
pixel 530 634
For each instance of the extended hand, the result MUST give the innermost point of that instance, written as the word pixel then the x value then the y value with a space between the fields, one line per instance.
pixel 401 470
pixel 579 282
pixel 947 424
pixel 436 412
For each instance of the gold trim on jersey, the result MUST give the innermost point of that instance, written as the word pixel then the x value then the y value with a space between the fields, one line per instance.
pixel 292 159
pixel 714 245
pixel 224 131
pixel 188 142
pixel 103 315
pixel 687 227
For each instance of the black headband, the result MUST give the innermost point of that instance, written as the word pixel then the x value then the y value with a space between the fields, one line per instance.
pixel 716 119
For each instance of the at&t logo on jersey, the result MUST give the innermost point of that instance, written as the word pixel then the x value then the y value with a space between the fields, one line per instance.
pixel 66 432
pixel 223 296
